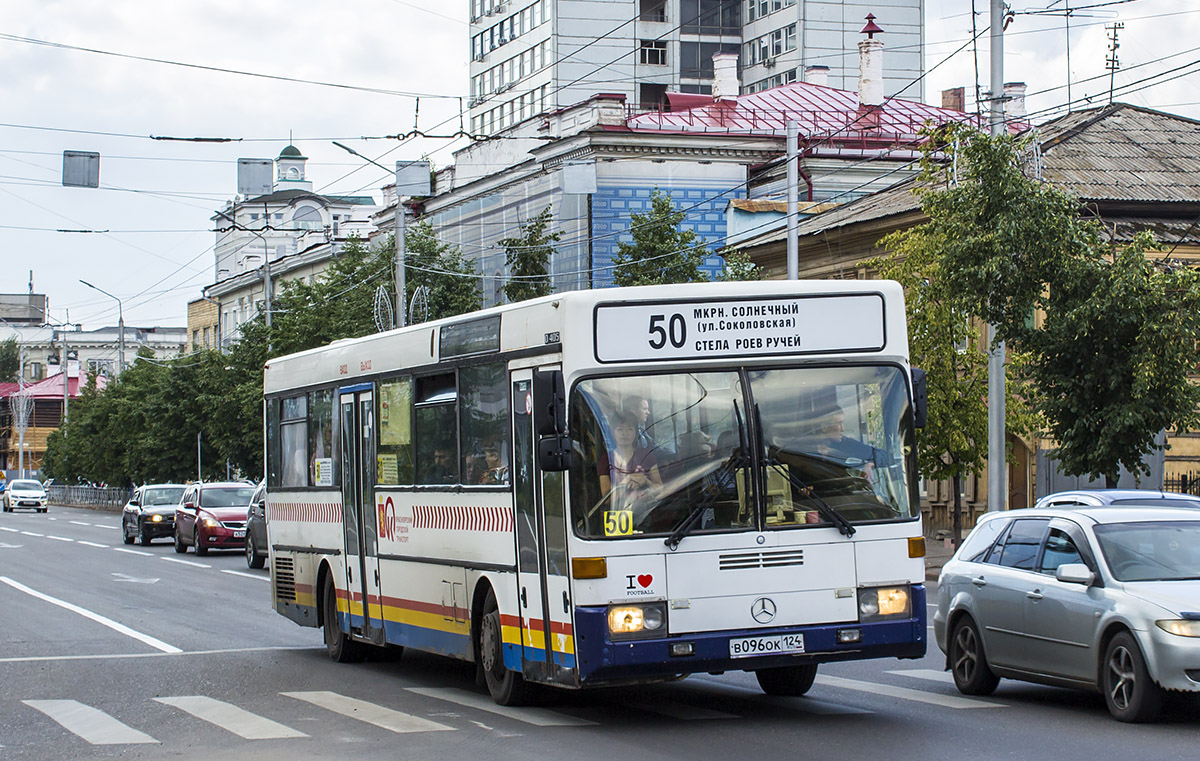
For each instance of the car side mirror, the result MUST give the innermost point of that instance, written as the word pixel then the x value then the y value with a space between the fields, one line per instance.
pixel 1075 573
pixel 189 505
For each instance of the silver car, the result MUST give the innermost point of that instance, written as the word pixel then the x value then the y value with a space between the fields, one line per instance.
pixel 1098 598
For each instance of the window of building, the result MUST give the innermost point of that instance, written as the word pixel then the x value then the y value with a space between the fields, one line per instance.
pixel 33 370
pixel 652 96
pixel 695 58
pixel 652 10
pixel 654 52
pixel 206 338
pixel 710 17
pixel 789 38
pixel 195 339
pixel 777 42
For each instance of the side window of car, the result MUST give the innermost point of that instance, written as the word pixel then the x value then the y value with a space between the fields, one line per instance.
pixel 1060 550
pixel 979 542
pixel 1021 545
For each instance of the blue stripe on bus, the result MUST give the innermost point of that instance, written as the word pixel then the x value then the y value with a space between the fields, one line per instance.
pixel 356 387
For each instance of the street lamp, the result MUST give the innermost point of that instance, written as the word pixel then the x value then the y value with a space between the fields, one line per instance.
pixel 120 322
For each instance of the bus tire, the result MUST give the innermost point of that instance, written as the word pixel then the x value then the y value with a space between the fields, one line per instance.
pixel 342 649
pixel 507 688
pixel 787 681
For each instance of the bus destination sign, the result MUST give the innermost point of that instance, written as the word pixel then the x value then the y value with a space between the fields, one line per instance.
pixel 739 327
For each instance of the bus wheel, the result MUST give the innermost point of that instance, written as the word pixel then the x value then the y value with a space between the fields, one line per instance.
pixel 788 681
pixel 341 648
pixel 507 688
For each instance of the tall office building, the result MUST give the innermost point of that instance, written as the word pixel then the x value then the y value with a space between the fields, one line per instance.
pixel 530 56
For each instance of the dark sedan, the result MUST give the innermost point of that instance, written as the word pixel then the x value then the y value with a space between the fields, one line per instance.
pixel 150 513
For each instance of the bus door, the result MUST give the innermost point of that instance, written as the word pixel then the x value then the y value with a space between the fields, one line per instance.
pixel 360 522
pixel 543 590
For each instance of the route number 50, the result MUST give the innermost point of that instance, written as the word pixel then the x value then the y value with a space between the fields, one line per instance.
pixel 675 331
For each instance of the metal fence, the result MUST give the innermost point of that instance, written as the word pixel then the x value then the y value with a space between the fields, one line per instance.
pixel 1184 483
pixel 89 496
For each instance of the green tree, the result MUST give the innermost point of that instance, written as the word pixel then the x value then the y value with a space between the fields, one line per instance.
pixel 739 267
pixel 527 257
pixel 10 360
pixel 451 279
pixel 661 251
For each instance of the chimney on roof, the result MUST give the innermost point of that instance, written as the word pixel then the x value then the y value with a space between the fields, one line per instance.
pixel 817 75
pixel 725 76
pixel 1014 100
pixel 955 99
pixel 870 66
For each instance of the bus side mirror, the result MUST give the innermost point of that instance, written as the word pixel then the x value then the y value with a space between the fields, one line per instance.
pixel 549 403
pixel 920 397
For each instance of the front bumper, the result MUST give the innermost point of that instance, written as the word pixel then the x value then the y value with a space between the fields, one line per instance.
pixel 608 661
pixel 155 529
pixel 1173 661
pixel 26 502
pixel 222 538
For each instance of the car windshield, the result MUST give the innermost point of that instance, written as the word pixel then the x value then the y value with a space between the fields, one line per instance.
pixel 25 485
pixel 1151 550
pixel 162 496
pixel 226 496
pixel 655 453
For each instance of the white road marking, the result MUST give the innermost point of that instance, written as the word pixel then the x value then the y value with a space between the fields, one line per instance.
pixel 30 533
pixel 920 696
pixel 354 708
pixel 186 562
pixel 93 725
pixel 806 704
pixel 94 544
pixel 232 718
pixel 133 579
pixel 10 530
pixel 129 656
pixel 536 716
pixel 247 575
pixel 51 519
pixel 79 523
pixel 7 546
pixel 157 644
pixel 932 675
pixel 682 711
pixel 132 552
pixel 60 538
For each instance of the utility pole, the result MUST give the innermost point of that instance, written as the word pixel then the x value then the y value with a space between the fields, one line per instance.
pixel 401 284
pixel 793 200
pixel 1112 62
pixel 997 464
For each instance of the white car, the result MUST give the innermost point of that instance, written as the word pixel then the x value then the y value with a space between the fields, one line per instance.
pixel 24 493
pixel 1105 599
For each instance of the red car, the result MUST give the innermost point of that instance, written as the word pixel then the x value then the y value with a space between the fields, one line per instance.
pixel 213 517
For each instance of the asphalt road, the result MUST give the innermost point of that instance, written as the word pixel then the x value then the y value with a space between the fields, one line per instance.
pixel 110 651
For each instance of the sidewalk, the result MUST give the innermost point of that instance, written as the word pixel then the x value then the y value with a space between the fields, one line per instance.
pixel 936 554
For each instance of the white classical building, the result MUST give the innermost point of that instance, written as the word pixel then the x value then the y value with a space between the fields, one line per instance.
pixel 533 56
pixel 292 231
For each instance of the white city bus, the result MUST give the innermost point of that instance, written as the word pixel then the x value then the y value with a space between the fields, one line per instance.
pixel 609 486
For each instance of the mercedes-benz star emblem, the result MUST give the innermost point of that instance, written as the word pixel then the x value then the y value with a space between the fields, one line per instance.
pixel 763 610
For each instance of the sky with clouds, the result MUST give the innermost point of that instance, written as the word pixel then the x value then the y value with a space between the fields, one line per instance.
pixel 157 196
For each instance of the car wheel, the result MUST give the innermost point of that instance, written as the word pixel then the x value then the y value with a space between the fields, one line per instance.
pixel 125 535
pixel 341 648
pixel 198 536
pixel 507 688
pixel 972 676
pixel 790 681
pixel 1129 691
pixel 180 547
pixel 253 558
pixel 143 536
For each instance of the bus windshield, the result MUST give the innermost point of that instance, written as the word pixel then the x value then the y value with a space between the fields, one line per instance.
pixel 656 452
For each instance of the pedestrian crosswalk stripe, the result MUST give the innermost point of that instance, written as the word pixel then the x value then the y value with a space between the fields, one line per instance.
pixel 932 675
pixel 232 718
pixel 93 725
pixel 368 712
pixel 536 716
pixel 807 704
pixel 920 696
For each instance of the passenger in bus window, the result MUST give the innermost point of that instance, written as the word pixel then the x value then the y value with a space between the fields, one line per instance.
pixel 629 472
pixel 495 471
pixel 639 407
pixel 835 444
pixel 442 471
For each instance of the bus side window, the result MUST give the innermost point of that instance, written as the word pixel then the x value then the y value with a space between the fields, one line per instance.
pixel 437 430
pixel 273 442
pixel 293 442
pixel 483 415
pixel 320 438
pixel 395 454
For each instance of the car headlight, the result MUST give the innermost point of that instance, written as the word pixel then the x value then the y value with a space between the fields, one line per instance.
pixel 156 518
pixel 211 523
pixel 880 603
pixel 634 621
pixel 1182 627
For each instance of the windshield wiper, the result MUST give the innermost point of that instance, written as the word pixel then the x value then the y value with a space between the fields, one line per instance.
pixel 727 470
pixel 824 508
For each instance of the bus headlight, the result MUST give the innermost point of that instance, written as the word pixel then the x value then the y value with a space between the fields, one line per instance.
pixel 876 603
pixel 634 621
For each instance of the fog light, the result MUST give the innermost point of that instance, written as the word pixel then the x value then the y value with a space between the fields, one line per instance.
pixel 682 649
pixel 848 636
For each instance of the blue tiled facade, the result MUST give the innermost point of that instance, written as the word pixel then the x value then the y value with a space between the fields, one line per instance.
pixel 614 205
